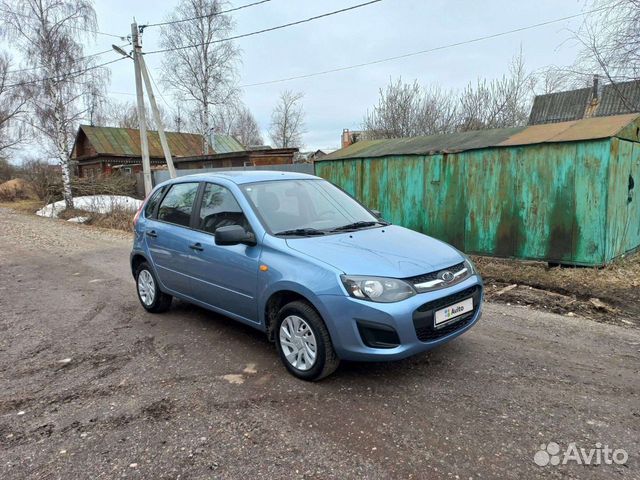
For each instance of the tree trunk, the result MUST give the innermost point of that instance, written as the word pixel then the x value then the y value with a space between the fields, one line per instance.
pixel 205 124
pixel 62 147
pixel 66 179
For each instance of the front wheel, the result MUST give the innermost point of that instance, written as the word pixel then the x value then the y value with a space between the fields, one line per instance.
pixel 149 294
pixel 304 343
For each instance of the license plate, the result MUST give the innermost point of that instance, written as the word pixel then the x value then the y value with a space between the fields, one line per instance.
pixel 453 311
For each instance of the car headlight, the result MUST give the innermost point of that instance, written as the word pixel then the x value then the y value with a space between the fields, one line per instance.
pixel 470 266
pixel 377 289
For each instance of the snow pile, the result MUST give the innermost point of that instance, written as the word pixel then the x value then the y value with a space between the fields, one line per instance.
pixel 79 219
pixel 93 203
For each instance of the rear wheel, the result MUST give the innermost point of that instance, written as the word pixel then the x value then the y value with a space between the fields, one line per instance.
pixel 152 299
pixel 304 343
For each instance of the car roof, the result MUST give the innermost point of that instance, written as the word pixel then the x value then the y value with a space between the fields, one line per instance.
pixel 248 176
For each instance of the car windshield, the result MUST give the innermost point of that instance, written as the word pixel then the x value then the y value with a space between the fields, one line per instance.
pixel 306 207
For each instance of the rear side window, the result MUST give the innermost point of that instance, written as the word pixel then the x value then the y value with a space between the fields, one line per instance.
pixel 177 204
pixel 150 207
pixel 219 208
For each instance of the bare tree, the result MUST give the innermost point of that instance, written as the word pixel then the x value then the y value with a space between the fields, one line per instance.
pixel 238 121
pixel 7 170
pixel 246 129
pixel 115 113
pixel 610 37
pixel 553 79
pixel 199 67
pixel 48 31
pixel 499 103
pixel 13 106
pixel 406 110
pixel 287 121
pixel 95 99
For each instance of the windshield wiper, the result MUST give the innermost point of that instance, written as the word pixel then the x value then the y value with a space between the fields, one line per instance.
pixel 302 232
pixel 357 225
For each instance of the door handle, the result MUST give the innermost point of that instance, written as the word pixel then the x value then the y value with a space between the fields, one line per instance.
pixel 196 246
pixel 152 233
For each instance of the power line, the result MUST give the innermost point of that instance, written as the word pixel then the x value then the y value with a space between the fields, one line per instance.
pixel 159 91
pixel 96 54
pixel 171 22
pixel 421 52
pixel 70 74
pixel 258 32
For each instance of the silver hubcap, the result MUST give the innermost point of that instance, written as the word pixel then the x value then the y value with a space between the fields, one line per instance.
pixel 298 342
pixel 146 287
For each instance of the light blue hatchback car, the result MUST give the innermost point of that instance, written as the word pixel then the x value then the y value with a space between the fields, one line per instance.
pixel 298 258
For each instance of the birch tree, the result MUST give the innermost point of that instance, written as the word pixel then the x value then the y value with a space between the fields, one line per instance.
pixel 287 121
pixel 197 66
pixel 49 33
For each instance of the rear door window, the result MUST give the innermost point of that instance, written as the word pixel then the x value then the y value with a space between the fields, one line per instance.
pixel 177 204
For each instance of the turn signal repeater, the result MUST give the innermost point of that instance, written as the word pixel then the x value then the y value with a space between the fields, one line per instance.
pixel 263 268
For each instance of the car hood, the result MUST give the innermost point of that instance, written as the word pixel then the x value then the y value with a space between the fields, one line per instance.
pixel 391 251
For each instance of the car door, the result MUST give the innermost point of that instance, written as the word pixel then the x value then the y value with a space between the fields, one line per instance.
pixel 223 276
pixel 168 236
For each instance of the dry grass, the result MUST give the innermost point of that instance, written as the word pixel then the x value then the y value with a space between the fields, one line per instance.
pixel 23 206
pixel 624 273
pixel 118 219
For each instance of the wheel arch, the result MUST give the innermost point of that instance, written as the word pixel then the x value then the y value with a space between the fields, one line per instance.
pixel 277 300
pixel 136 259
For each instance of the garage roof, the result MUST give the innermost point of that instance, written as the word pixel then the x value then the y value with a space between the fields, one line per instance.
pixel 586 129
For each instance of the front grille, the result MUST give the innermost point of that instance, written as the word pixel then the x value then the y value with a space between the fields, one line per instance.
pixel 423 320
pixel 427 277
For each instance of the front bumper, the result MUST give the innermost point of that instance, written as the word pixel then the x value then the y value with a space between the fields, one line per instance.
pixel 342 314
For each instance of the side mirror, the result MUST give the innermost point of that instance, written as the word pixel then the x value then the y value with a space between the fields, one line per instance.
pixel 377 214
pixel 234 235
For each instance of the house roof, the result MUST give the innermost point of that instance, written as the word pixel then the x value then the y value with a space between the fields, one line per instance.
pixel 559 106
pixel 587 129
pixel 618 98
pixel 226 144
pixel 126 142
pixel 614 99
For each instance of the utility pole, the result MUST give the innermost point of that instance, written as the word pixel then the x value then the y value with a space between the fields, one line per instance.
pixel 156 115
pixel 144 143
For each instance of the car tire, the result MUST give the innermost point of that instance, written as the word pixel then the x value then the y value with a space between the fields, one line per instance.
pixel 151 297
pixel 309 329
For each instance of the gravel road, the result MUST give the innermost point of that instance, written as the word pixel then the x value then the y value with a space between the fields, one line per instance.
pixel 94 387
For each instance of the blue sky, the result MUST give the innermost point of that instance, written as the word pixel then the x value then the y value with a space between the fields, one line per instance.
pixel 391 27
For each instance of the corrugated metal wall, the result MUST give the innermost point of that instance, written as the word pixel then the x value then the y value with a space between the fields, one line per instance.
pixel 623 208
pixel 548 202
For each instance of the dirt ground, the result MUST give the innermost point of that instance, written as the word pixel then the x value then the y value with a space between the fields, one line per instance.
pixel 610 294
pixel 92 386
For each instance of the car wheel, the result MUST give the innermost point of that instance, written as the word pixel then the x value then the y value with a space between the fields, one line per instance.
pixel 304 343
pixel 152 299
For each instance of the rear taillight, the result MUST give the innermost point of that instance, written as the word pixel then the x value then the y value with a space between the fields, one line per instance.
pixel 137 215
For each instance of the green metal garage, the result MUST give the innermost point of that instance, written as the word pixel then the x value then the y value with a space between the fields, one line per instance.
pixel 560 192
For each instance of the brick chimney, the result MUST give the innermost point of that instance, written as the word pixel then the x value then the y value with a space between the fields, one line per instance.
pixel 347 139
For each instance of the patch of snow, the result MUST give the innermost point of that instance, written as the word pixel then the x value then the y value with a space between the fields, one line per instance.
pixel 79 219
pixel 93 203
